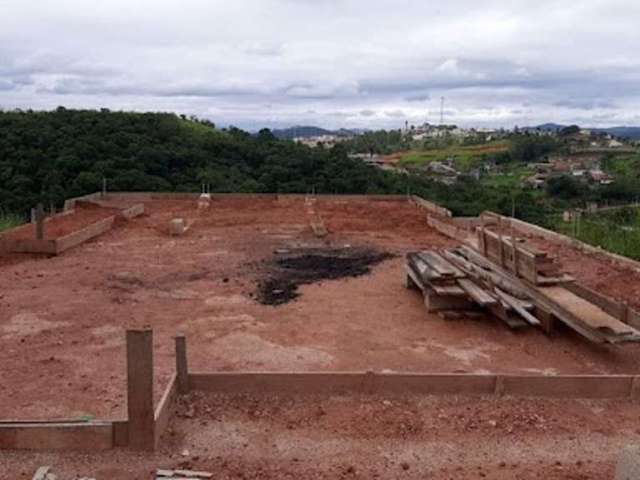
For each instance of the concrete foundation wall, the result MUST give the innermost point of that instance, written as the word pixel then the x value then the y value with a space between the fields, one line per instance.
pixel 70 203
pixel 431 207
pixel 91 436
pixel 58 245
pixel 565 386
pixel 447 227
pixel 81 236
pixel 147 196
pixel 133 211
pixel 31 245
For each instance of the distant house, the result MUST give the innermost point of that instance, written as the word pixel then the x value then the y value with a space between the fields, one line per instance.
pixel 615 144
pixel 598 176
pixel 536 180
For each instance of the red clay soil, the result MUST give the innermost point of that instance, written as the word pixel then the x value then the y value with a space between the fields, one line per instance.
pixel 365 437
pixel 62 319
pixel 63 224
pixel 596 271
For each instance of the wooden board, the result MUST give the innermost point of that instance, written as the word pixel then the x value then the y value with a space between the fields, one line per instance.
pixel 477 293
pixel 587 312
pixel 439 264
pixel 519 306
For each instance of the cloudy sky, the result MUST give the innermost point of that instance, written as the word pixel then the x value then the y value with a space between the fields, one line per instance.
pixel 333 63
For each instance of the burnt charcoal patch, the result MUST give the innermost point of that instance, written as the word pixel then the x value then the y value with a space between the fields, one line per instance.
pixel 288 272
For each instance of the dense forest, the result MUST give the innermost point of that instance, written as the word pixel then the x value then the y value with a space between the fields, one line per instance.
pixel 49 156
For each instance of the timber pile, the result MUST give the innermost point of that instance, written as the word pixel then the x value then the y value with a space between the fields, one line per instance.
pixel 522 260
pixel 462 277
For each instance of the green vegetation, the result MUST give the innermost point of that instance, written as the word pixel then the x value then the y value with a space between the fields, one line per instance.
pixel 9 220
pixel 49 156
pixel 465 157
pixel 511 176
pixel 615 230
pixel 380 142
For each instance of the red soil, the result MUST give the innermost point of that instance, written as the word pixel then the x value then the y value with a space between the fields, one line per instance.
pixel 363 437
pixel 62 323
pixel 62 319
pixel 63 224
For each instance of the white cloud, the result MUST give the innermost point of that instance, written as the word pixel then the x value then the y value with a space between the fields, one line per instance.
pixel 327 61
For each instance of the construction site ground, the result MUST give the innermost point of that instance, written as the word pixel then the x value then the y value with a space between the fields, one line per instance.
pixel 368 437
pixel 62 350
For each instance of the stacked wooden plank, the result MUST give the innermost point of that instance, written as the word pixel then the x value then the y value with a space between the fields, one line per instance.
pixel 520 259
pixel 462 278
pixel 447 287
pixel 542 305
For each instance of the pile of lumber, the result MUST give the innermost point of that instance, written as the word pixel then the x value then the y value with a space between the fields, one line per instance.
pixel 524 261
pixel 462 278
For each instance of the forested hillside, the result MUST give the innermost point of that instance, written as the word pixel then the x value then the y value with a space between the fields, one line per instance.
pixel 49 156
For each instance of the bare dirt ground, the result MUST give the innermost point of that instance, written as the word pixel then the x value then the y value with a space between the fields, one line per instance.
pixel 62 322
pixel 368 437
pixel 62 319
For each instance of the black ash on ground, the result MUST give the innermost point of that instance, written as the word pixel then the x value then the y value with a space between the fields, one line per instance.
pixel 287 272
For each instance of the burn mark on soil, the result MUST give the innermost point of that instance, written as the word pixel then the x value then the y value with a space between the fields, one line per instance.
pixel 288 272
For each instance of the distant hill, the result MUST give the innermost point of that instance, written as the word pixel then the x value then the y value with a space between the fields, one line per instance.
pixel 550 127
pixel 307 131
pixel 630 133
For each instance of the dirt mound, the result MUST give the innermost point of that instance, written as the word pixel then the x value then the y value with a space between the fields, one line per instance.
pixel 310 266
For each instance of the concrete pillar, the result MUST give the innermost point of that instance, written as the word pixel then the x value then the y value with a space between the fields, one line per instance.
pixel 182 370
pixel 140 389
pixel 40 222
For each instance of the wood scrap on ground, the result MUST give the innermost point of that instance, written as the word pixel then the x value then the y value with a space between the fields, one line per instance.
pixel 464 276
pixel 181 475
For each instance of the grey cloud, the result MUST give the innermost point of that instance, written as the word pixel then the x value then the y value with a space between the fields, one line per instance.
pixel 497 63
pixel 418 97
pixel 585 103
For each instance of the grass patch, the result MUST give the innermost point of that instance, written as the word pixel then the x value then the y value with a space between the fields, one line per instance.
pixel 466 157
pixel 512 178
pixel 617 231
pixel 9 220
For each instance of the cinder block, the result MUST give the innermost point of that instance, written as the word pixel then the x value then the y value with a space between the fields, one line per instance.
pixel 176 227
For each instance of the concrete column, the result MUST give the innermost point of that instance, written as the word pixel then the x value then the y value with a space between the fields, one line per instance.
pixel 40 222
pixel 182 370
pixel 140 389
